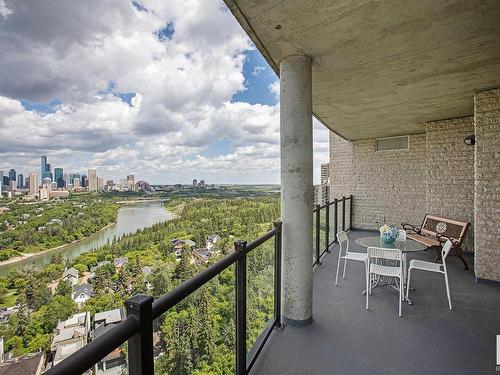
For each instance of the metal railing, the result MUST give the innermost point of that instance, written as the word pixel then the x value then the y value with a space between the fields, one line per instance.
pixel 142 310
pixel 324 224
pixel 137 327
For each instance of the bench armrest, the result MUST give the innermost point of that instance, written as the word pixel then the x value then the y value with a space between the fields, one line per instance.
pixel 442 238
pixel 410 227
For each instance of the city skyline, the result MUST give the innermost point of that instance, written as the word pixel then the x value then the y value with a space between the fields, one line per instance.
pixel 191 103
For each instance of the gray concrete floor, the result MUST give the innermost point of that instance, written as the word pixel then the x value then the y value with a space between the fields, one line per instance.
pixel 344 338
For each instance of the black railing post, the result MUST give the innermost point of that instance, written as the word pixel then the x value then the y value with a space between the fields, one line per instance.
pixel 350 212
pixel 318 223
pixel 343 214
pixel 277 273
pixel 241 308
pixel 140 346
pixel 327 226
pixel 336 215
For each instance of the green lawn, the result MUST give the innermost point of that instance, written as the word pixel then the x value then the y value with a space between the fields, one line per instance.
pixel 9 301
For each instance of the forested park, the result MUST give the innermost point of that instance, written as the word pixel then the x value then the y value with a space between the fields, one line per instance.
pixel 195 337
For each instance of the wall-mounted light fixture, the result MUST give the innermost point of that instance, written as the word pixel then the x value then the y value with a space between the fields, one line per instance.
pixel 470 140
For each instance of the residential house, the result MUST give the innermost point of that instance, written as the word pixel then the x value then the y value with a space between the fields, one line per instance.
pixel 69 336
pixel 201 255
pixel 82 293
pixel 179 245
pixel 115 362
pixel 71 275
pixel 212 240
pixel 120 263
pixel 30 364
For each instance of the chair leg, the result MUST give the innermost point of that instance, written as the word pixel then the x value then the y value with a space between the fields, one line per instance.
pixel 400 295
pixel 345 264
pixel 447 288
pixel 408 283
pixel 460 256
pixel 337 274
pixel 368 286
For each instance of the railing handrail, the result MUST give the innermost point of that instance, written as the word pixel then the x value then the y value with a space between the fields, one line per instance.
pixel 97 349
pixel 89 355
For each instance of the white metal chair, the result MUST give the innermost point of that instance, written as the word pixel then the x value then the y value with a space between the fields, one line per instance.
pixel 349 255
pixel 433 267
pixel 376 253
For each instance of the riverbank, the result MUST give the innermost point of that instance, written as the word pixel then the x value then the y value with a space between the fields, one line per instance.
pixel 26 256
pixel 130 218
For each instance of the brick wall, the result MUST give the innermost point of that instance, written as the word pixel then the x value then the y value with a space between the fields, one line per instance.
pixel 439 174
pixel 388 186
pixel 487 186
pixel 450 172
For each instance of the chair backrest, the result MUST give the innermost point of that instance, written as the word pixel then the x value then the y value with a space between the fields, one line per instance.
pixel 446 249
pixel 402 235
pixel 383 253
pixel 342 238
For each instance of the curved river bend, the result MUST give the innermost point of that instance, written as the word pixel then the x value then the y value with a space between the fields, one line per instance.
pixel 130 218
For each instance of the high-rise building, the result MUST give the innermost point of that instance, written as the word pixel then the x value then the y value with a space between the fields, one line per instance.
pixel 202 184
pixel 34 184
pixel 12 175
pixel 92 176
pixel 321 194
pixel 76 183
pixel 1 182
pixel 58 177
pixel 12 185
pixel 195 183
pixel 20 181
pixel 6 180
pixel 325 173
pixel 109 185
pixel 131 182
pixel 100 183
pixel 43 166
pixel 85 181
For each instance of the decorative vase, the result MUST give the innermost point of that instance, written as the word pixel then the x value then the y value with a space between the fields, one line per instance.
pixel 386 238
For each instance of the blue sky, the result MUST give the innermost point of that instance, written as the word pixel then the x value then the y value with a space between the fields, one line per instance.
pixel 196 99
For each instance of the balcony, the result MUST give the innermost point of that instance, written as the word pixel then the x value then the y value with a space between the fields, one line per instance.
pixel 344 338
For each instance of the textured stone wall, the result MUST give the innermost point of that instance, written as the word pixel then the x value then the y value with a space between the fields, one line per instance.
pixel 450 172
pixel 487 184
pixel 439 174
pixel 388 186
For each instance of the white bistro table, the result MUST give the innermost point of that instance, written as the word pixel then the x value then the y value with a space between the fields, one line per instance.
pixel 408 246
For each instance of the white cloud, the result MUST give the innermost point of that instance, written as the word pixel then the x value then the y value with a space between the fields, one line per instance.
pixel 85 53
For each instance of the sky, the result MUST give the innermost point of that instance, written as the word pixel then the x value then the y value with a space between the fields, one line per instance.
pixel 168 91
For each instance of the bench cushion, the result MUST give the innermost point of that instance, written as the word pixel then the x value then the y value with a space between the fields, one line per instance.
pixel 428 241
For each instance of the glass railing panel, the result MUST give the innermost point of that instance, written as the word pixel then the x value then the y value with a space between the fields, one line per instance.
pixel 260 290
pixel 197 336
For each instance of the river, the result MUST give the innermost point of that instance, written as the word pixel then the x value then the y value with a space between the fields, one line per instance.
pixel 130 218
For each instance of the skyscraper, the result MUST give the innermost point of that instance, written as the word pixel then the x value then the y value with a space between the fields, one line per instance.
pixel 131 182
pixel 195 183
pixel 20 181
pixel 34 184
pixel 325 173
pixel 100 183
pixel 43 166
pixel 12 175
pixel 92 176
pixel 58 177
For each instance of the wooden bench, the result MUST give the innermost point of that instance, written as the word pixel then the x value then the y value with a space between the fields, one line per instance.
pixel 436 230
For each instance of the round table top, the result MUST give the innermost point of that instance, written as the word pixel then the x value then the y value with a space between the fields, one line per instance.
pixel 407 246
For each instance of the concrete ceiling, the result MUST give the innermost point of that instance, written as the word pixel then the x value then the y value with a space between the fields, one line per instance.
pixel 382 68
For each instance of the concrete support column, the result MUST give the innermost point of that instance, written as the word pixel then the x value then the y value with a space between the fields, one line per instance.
pixel 296 188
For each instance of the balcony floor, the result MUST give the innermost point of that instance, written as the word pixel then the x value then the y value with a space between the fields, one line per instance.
pixel 344 338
